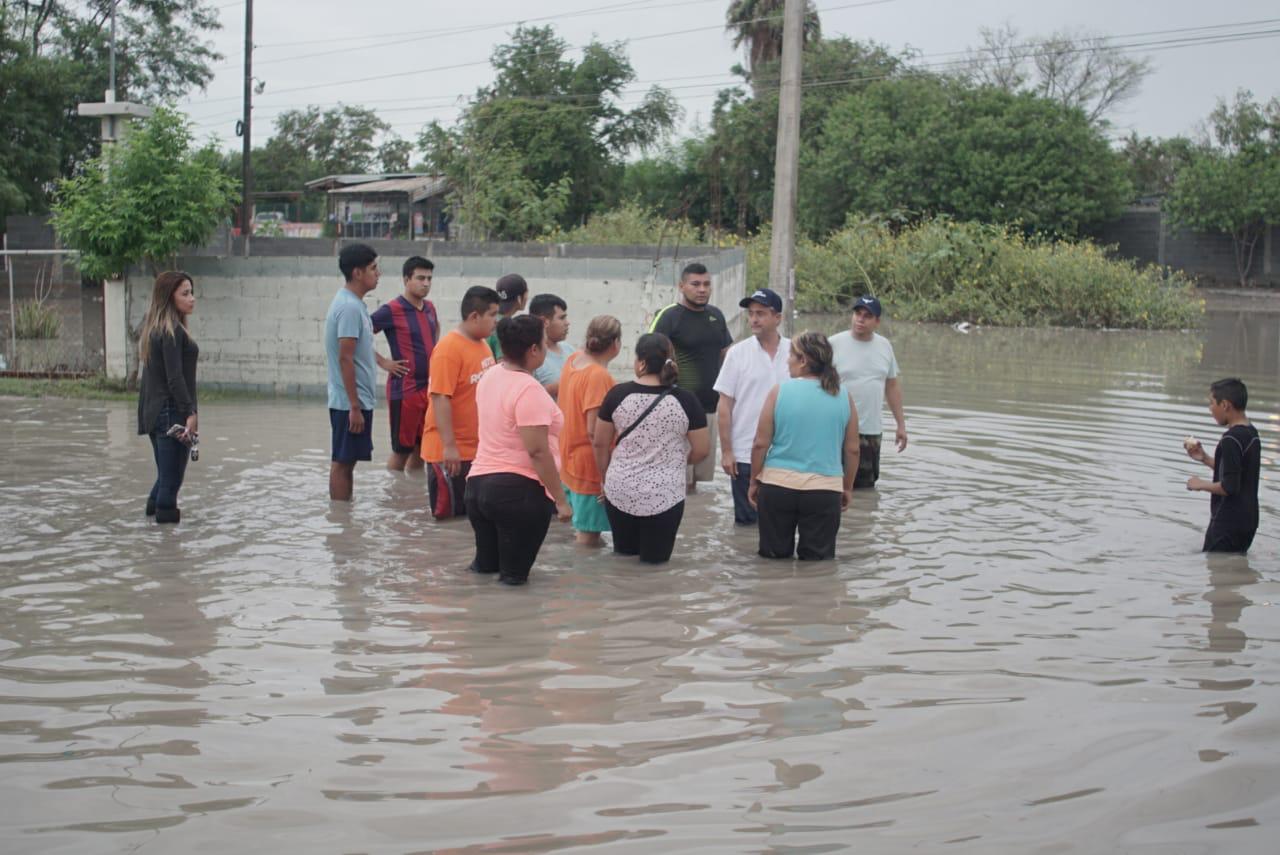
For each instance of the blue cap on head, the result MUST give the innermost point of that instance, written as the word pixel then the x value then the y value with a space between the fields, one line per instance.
pixel 764 297
pixel 871 304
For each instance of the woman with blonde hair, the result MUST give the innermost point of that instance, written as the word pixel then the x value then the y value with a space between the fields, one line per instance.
pixel 584 381
pixel 167 357
pixel 805 455
pixel 646 432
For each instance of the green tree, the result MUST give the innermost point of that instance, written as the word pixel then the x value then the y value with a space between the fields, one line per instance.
pixel 757 26
pixel 671 182
pixel 1154 163
pixel 935 146
pixel 744 126
pixel 553 123
pixel 1232 182
pixel 311 143
pixel 54 54
pixel 144 199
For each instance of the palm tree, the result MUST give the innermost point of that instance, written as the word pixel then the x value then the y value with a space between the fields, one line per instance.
pixel 758 25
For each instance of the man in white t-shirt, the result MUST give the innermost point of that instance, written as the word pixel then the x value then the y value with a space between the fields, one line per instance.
pixel 869 370
pixel 751 368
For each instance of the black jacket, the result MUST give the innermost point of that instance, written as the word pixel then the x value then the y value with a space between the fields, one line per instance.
pixel 168 377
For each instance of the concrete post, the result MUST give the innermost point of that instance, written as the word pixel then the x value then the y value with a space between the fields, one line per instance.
pixel 115 319
pixel 782 247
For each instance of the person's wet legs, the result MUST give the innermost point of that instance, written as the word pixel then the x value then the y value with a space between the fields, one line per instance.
pixel 818 523
pixel 743 513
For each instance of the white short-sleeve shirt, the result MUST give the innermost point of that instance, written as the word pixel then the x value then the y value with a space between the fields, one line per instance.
pixel 864 367
pixel 747 375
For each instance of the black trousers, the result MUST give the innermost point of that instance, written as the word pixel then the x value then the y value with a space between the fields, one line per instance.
pixel 815 513
pixel 510 515
pixel 1221 539
pixel 652 538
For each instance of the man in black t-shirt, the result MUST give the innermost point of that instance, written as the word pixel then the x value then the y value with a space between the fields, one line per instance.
pixel 701 337
pixel 1237 465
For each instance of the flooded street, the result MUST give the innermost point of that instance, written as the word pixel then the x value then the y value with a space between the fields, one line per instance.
pixel 1020 648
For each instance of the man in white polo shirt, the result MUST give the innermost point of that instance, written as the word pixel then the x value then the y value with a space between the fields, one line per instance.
pixel 751 368
pixel 869 370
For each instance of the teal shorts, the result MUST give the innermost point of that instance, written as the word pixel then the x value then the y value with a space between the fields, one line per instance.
pixel 588 513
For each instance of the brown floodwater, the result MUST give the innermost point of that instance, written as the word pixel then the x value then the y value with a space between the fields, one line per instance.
pixel 1019 649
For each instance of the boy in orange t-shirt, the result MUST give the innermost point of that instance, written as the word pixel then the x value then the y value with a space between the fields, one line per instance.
pixel 451 428
pixel 584 382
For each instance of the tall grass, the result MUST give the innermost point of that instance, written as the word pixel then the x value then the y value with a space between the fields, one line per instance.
pixel 941 270
pixel 35 320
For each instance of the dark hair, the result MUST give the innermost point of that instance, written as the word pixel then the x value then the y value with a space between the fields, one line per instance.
pixel 655 351
pixel 545 305
pixel 353 256
pixel 1232 391
pixel 815 351
pixel 509 289
pixel 602 332
pixel 416 262
pixel 478 299
pixel 162 318
pixel 519 335
pixel 692 267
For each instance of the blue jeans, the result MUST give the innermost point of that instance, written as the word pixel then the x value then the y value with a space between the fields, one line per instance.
pixel 171 460
pixel 743 513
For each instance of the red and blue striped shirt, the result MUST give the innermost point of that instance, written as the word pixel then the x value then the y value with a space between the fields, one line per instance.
pixel 412 334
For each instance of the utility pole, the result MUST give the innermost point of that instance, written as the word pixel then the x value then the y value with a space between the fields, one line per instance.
pixel 782 249
pixel 246 161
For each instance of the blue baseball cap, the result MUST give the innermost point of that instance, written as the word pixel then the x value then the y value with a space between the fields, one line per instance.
pixel 764 297
pixel 871 304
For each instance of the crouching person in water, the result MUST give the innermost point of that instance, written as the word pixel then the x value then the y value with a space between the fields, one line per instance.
pixel 167 388
pixel 513 488
pixel 647 431
pixel 1236 465
pixel 805 456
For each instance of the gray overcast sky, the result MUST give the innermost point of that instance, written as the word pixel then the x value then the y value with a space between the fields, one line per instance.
pixel 419 61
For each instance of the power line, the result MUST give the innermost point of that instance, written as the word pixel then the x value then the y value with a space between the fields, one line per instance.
pixel 1162 44
pixel 455 66
pixel 629 6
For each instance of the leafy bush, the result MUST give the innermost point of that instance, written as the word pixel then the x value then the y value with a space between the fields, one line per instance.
pixel 942 270
pixel 630 223
pixel 36 320
pixel 145 198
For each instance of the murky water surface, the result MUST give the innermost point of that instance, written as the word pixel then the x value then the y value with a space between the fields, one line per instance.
pixel 1019 649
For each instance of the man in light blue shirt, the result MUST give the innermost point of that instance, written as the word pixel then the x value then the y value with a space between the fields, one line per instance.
pixel 554 314
pixel 348 345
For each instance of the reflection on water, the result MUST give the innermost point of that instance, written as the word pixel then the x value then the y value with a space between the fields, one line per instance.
pixel 1019 649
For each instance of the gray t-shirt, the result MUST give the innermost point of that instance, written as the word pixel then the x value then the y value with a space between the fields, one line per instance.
pixel 864 367
pixel 549 371
pixel 348 318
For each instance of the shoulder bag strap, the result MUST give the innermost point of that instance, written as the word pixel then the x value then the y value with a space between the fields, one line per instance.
pixel 647 411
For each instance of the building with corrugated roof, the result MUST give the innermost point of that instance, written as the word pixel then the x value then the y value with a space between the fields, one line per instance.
pixel 402 205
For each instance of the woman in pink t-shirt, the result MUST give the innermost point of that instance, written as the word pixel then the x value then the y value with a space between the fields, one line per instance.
pixel 513 488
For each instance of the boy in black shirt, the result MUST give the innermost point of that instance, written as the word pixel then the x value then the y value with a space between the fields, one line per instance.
pixel 1237 464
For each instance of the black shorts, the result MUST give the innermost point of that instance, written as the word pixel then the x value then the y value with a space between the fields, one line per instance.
pixel 868 460
pixel 349 447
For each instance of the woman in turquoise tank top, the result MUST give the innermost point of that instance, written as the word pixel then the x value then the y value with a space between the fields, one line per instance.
pixel 805 456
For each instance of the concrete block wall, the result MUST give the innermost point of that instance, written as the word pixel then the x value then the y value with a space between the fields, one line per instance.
pixel 1144 234
pixel 259 321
